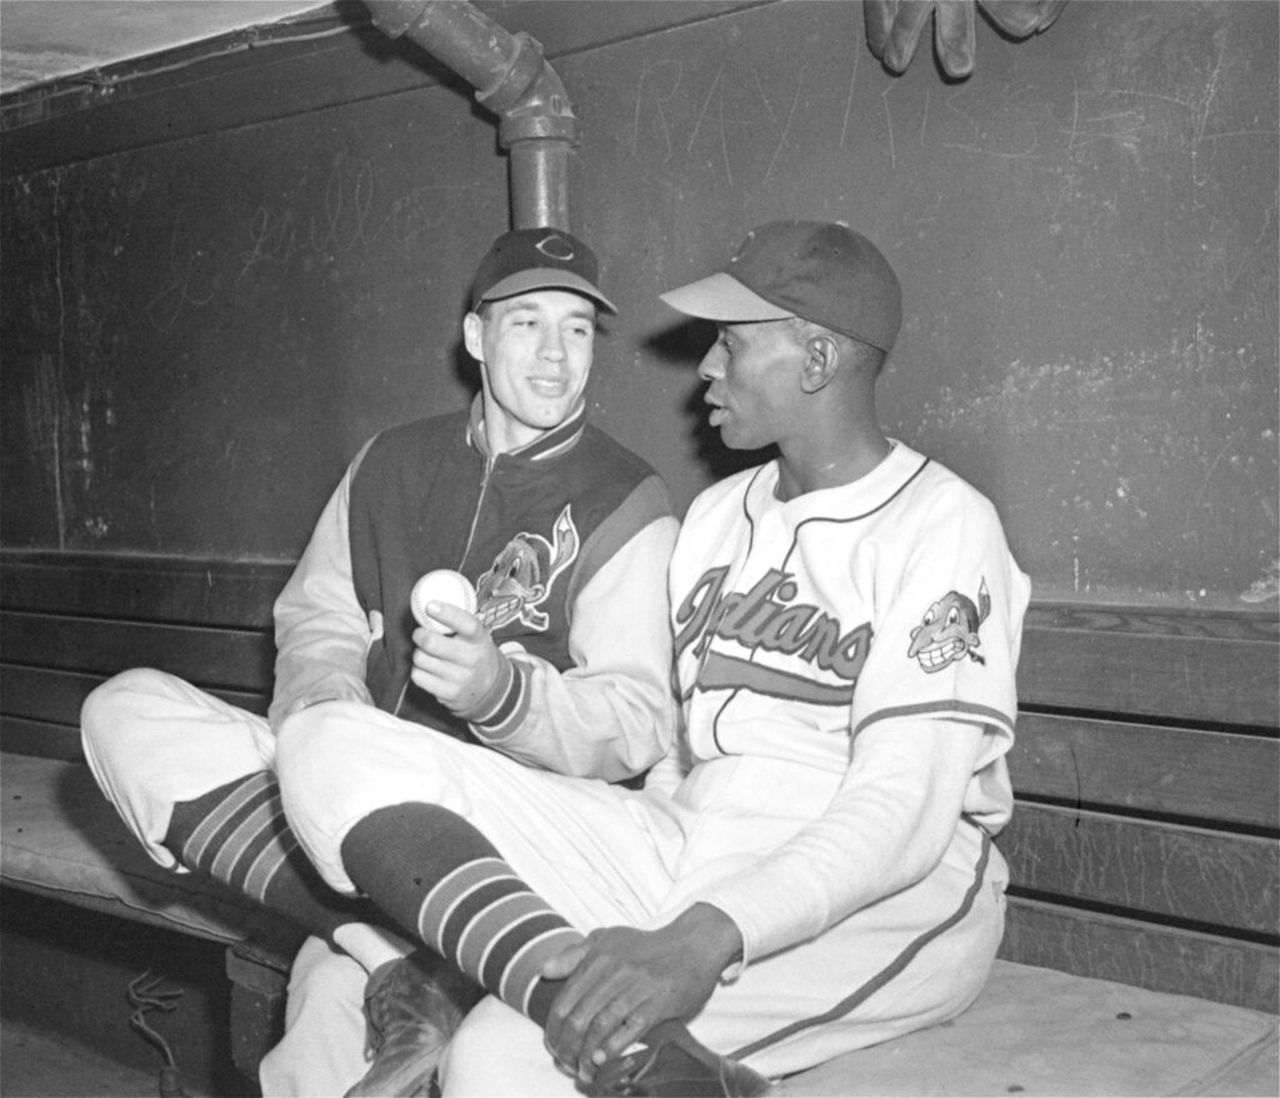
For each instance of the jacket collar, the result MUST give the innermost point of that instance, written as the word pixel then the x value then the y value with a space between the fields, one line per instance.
pixel 559 440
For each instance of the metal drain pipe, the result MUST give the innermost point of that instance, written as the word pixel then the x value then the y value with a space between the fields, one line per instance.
pixel 512 78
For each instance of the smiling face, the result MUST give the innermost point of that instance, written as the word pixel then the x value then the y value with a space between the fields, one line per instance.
pixel 535 354
pixel 754 390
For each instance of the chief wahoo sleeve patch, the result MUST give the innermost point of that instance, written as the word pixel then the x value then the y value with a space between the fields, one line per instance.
pixel 949 630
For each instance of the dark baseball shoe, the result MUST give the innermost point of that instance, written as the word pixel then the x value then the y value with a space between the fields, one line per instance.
pixel 412 1007
pixel 673 1064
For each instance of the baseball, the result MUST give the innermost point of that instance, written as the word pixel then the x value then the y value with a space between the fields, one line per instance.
pixel 442 585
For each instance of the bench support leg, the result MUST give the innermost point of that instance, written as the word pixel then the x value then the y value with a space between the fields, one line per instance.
pixel 257 1009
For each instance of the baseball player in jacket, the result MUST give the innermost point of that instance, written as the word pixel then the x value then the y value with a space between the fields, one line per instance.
pixel 811 869
pixel 560 532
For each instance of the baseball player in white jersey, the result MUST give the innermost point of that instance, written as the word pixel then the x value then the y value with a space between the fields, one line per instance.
pixel 812 870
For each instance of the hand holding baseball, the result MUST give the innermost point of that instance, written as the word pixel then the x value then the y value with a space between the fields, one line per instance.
pixel 454 657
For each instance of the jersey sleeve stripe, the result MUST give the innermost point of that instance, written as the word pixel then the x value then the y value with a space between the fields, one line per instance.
pixel 947 707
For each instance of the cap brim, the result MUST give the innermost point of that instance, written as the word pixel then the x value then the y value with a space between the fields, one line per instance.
pixel 546 278
pixel 722 297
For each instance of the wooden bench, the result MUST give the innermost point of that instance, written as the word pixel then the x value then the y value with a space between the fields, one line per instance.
pixel 67 622
pixel 1141 952
pixel 1147 770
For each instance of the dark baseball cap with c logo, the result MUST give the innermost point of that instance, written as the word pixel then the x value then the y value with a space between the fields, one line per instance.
pixel 538 259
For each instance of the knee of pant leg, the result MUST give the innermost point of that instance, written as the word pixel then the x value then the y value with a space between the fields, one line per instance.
pixel 321 765
pixel 319 740
pixel 118 697
pixel 318 750
pixel 113 708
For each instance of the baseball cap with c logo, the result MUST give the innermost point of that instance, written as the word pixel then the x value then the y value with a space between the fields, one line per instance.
pixel 538 259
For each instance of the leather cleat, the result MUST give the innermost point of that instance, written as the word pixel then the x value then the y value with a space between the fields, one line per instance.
pixel 413 1006
pixel 672 1063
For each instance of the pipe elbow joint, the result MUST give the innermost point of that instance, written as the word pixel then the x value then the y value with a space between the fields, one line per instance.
pixel 530 100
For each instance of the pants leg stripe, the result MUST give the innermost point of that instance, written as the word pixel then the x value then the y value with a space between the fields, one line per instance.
pixel 887 973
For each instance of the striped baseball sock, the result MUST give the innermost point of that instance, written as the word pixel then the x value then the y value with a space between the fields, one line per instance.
pixel 237 834
pixel 436 874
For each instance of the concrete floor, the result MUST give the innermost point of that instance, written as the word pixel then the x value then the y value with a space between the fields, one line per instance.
pixel 35 1064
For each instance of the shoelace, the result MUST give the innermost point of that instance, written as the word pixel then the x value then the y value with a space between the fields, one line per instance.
pixel 145 995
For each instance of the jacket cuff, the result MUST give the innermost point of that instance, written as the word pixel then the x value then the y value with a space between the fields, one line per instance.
pixel 500 712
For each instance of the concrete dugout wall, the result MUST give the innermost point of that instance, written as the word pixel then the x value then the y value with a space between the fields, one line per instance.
pixel 222 274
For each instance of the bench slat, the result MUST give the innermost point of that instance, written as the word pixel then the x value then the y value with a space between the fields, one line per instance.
pixel 220 593
pixel 56 696
pixel 219 657
pixel 1248 623
pixel 1189 873
pixel 1213 776
pixel 1187 667
pixel 1160 958
pixel 20 736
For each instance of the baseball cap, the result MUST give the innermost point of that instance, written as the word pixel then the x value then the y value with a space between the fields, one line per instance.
pixel 538 259
pixel 820 271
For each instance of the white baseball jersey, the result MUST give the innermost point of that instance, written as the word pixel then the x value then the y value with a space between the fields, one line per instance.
pixel 808 630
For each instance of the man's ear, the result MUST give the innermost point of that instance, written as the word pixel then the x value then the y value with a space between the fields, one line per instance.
pixel 822 360
pixel 473 335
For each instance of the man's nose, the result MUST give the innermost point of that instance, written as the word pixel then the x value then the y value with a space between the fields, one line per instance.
pixel 552 344
pixel 712 364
